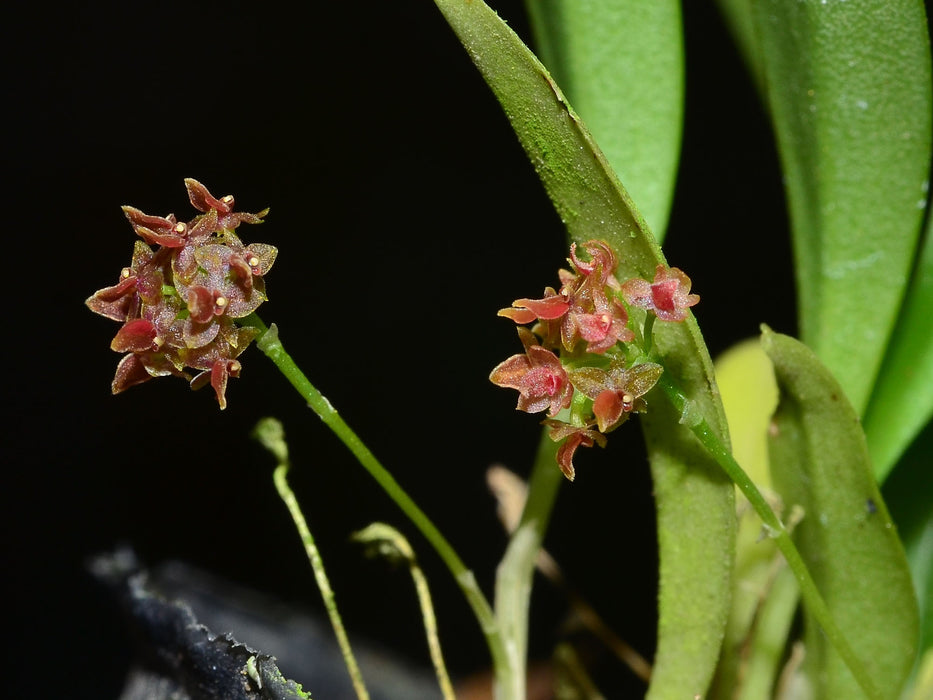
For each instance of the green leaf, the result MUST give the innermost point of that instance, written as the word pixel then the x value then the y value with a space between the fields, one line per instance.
pixel 621 64
pixel 902 402
pixel 695 504
pixel 740 20
pixel 750 659
pixel 907 492
pixel 819 461
pixel 849 91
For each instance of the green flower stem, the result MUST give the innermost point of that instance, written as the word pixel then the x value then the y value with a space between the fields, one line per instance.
pixel 774 527
pixel 516 571
pixel 392 544
pixel 280 476
pixel 268 342
pixel 271 435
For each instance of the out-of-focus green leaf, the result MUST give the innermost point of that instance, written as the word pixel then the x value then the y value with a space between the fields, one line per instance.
pixel 819 460
pixel 749 396
pixel 621 64
pixel 695 504
pixel 738 16
pixel 909 494
pixel 848 87
pixel 902 402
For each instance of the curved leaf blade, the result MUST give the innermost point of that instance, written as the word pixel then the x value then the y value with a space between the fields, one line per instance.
pixel 695 501
pixel 740 20
pixel 621 64
pixel 819 460
pixel 848 86
pixel 907 493
pixel 902 402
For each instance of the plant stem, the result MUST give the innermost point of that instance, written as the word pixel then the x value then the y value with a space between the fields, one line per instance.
pixel 774 527
pixel 268 342
pixel 516 571
pixel 317 565
pixel 393 545
pixel 270 433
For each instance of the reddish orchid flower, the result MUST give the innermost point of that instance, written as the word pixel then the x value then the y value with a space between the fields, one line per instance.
pixel 616 392
pixel 138 367
pixel 590 308
pixel 573 437
pixel 552 307
pixel 585 307
pixel 667 296
pixel 218 362
pixel 538 376
pixel 179 302
pixel 602 260
pixel 603 328
pixel 202 200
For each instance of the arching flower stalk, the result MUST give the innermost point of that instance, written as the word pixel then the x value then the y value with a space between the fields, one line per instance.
pixel 180 299
pixel 582 352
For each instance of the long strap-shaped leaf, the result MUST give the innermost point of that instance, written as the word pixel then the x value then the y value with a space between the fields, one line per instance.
pixel 902 401
pixel 621 64
pixel 695 504
pixel 848 86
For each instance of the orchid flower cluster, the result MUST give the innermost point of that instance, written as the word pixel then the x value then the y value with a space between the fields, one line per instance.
pixel 181 296
pixel 600 370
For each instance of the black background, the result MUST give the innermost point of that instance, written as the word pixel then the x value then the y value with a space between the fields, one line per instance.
pixel 405 214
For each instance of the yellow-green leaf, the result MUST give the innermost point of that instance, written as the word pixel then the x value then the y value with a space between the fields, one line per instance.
pixel 621 64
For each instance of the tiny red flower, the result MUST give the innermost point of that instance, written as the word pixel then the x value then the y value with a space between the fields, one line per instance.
pixel 138 335
pixel 538 375
pixel 668 296
pixel 179 302
pixel 574 437
pixel 584 309
pixel 157 230
pixel 203 200
pixel 616 392
pixel 138 367
pixel 603 328
pixel 553 306
pixel 602 261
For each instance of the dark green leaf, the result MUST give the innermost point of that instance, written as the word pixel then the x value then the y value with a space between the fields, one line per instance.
pixel 902 402
pixel 907 493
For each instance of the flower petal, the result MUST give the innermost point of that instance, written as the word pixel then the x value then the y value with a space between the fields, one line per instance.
pixel 130 372
pixel 608 408
pixel 138 335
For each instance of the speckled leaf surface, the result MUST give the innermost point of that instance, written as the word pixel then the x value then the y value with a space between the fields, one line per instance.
pixel 819 461
pixel 695 503
pixel 848 87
